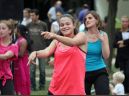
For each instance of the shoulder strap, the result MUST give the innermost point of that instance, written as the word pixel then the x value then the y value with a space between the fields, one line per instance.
pixel 82 50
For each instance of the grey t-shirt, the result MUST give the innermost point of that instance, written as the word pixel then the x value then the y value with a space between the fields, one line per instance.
pixel 38 42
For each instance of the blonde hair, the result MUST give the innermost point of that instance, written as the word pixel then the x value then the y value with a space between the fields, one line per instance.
pixel 126 17
pixel 9 23
pixel 119 76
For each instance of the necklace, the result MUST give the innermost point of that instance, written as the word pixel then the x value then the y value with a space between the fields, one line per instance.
pixel 93 36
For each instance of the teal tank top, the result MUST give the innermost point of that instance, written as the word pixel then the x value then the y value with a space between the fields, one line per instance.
pixel 94 58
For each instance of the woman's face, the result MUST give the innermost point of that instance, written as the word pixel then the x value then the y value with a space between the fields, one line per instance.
pixel 66 26
pixel 90 21
pixel 125 22
pixel 4 30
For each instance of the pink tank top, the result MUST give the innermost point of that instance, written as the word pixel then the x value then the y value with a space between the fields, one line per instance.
pixel 69 71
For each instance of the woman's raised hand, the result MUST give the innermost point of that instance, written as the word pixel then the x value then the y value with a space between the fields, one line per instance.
pixel 48 35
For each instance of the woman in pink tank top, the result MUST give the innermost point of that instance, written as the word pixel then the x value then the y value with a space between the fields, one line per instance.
pixel 69 61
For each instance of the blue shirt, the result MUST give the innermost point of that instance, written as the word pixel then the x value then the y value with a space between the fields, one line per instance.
pixel 94 59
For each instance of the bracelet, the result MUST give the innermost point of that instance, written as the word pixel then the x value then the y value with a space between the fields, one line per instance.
pixel 36 53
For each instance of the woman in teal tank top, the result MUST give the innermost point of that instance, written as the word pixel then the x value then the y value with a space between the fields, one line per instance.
pixel 97 51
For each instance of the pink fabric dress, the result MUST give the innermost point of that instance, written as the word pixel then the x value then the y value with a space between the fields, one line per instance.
pixel 69 71
pixel 5 70
pixel 22 73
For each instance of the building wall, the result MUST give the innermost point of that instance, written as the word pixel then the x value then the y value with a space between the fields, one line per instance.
pixel 123 8
pixel 101 7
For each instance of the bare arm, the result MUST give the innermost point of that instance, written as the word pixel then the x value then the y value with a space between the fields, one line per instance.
pixel 43 53
pixel 78 40
pixel 23 46
pixel 7 55
pixel 105 45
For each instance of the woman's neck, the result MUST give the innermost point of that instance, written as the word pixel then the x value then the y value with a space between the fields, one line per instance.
pixel 93 31
pixel 5 41
pixel 124 29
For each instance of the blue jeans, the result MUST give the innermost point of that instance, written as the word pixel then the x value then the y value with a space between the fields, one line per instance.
pixel 42 74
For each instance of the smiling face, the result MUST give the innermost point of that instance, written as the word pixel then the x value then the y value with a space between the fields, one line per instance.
pixel 67 26
pixel 4 30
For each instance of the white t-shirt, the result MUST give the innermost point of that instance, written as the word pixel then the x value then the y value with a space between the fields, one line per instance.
pixel 125 35
pixel 119 89
pixel 55 26
pixel 26 21
pixel 52 12
pixel 82 28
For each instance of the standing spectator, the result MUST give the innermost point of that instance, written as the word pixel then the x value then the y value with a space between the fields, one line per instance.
pixel 52 11
pixel 59 7
pixel 81 16
pixel 69 62
pixel 118 89
pixel 97 51
pixel 121 42
pixel 35 28
pixel 55 24
pixel 83 12
pixel 26 16
pixel 21 70
pixel 8 52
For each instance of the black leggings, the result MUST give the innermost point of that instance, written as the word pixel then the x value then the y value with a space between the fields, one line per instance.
pixel 99 79
pixel 8 88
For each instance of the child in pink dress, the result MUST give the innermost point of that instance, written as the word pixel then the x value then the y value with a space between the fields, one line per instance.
pixel 8 52
pixel 21 70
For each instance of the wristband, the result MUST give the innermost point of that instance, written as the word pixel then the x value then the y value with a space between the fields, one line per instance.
pixel 36 53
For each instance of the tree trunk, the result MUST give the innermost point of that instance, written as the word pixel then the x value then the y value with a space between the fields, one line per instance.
pixel 111 27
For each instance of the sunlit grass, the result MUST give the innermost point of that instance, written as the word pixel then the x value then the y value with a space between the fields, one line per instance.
pixel 48 78
pixel 41 92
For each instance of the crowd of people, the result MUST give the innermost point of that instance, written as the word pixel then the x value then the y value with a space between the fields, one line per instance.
pixel 79 53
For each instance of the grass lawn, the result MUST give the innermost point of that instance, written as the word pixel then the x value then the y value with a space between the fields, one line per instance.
pixel 48 78
pixel 41 92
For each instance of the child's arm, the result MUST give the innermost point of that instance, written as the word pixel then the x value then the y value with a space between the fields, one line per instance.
pixel 111 87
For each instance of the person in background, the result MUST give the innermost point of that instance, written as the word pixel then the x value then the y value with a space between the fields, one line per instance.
pixel 21 70
pixel 8 52
pixel 57 7
pixel 118 89
pixel 38 43
pixel 97 51
pixel 82 13
pixel 26 16
pixel 121 43
pixel 55 24
pixel 69 60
